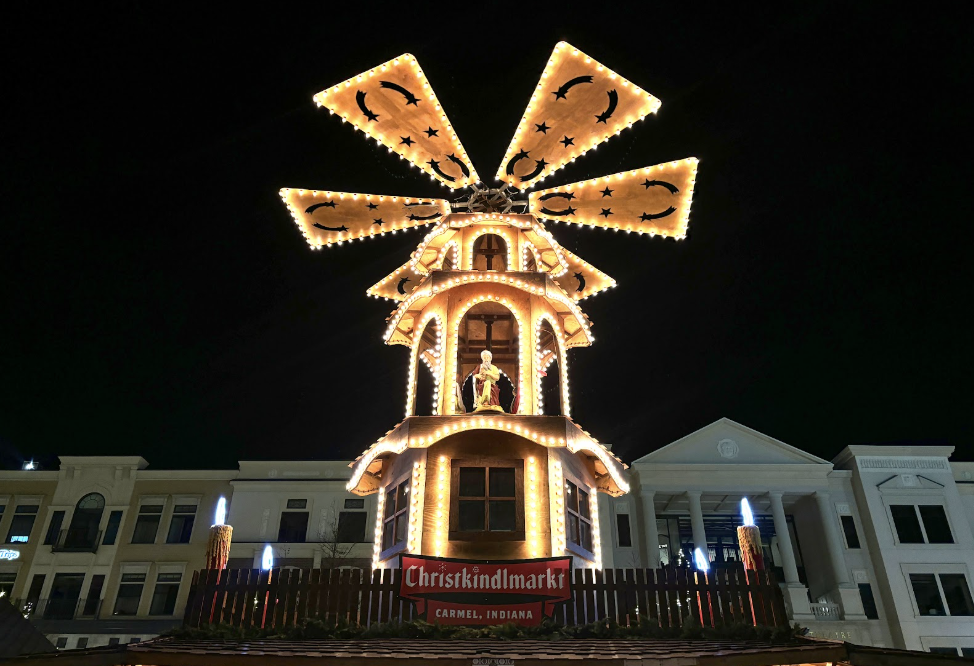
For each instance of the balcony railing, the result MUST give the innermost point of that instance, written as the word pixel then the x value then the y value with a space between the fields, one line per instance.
pixel 76 541
pixel 824 610
pixel 60 609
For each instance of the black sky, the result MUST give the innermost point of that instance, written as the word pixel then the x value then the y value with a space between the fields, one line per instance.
pixel 157 299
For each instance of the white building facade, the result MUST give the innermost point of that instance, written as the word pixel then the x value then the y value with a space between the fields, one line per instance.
pixel 874 547
pixel 879 548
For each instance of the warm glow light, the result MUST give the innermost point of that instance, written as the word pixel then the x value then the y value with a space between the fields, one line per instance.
pixel 746 512
pixel 267 560
pixel 700 560
pixel 377 538
pixel 220 518
pixel 414 541
pixel 556 497
pixel 442 495
pixel 593 503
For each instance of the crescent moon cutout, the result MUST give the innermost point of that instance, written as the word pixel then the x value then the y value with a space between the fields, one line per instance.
pixel 510 165
pixel 410 98
pixel 552 195
pixel 568 85
pixel 613 103
pixel 645 217
pixel 324 228
pixel 463 167
pixel 402 282
pixel 360 100
pixel 661 183
pixel 435 166
pixel 424 217
pixel 537 171
pixel 581 282
pixel 327 204
pixel 567 211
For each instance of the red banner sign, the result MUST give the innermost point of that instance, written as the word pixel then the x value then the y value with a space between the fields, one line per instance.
pixel 474 592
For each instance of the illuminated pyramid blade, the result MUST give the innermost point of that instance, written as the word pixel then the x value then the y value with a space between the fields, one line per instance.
pixel 582 279
pixel 397 285
pixel 394 104
pixel 654 200
pixel 335 217
pixel 577 105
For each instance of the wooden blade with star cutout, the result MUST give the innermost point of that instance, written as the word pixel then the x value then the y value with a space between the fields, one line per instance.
pixel 578 104
pixel 653 200
pixel 394 104
pixel 582 279
pixel 335 217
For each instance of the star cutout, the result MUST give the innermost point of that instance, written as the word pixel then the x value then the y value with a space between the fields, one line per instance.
pixel 372 206
pixel 431 132
pixel 568 141
pixel 378 221
pixel 407 140
pixel 606 212
pixel 521 154
pixel 543 128
pixel 607 192
pixel 570 211
pixel 541 163
pixel 645 217
pixel 647 184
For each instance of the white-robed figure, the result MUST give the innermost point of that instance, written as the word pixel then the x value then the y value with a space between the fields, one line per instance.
pixel 486 392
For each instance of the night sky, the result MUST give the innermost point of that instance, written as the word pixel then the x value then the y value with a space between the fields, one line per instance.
pixel 157 299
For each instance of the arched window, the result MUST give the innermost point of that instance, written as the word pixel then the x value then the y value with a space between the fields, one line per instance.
pixel 488 326
pixel 489 253
pixel 549 402
pixel 427 365
pixel 83 532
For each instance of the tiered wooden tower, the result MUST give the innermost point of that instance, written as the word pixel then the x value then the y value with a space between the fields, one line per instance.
pixel 488 463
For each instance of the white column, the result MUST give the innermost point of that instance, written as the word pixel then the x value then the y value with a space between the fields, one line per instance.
pixel 784 538
pixel 696 521
pixel 651 539
pixel 832 539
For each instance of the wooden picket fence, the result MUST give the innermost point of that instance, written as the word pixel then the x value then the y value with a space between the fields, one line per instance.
pixel 281 597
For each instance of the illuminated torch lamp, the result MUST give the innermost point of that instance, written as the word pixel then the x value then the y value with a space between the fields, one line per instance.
pixel 703 567
pixel 749 540
pixel 218 542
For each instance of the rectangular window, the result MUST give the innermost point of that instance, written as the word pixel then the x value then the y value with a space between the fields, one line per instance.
pixel 111 529
pixel 22 523
pixel 395 516
pixel 181 526
pixel 164 594
pixel 54 529
pixel 82 642
pixel 944 650
pixel 935 592
pixel 868 601
pixel 625 533
pixel 294 526
pixel 351 526
pixel 129 594
pixel 93 600
pixel 62 642
pixel 147 524
pixel 578 517
pixel 926 523
pixel 957 594
pixel 849 529
pixel 935 523
pixel 487 498
pixel 297 504
pixel 907 523
pixel 355 503
pixel 113 641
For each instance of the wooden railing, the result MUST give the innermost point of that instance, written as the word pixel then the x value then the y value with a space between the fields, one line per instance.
pixel 281 597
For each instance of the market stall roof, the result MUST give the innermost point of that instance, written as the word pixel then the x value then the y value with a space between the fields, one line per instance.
pixel 381 652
